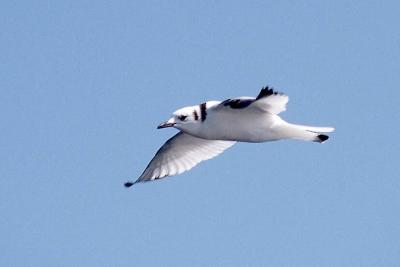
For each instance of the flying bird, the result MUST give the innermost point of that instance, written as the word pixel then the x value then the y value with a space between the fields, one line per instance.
pixel 207 129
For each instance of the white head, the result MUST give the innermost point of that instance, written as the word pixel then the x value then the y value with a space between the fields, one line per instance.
pixel 187 119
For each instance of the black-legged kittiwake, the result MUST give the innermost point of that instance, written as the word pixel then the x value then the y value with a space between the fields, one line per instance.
pixel 208 129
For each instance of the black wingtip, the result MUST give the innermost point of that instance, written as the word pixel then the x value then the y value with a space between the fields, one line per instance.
pixel 128 184
pixel 266 91
pixel 322 138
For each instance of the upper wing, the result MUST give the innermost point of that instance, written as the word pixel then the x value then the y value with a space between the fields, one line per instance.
pixel 267 100
pixel 181 153
pixel 271 101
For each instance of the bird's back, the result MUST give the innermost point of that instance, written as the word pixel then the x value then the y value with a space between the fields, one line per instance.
pixel 240 124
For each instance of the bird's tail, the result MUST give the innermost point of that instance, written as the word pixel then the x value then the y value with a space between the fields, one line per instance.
pixel 315 129
pixel 308 133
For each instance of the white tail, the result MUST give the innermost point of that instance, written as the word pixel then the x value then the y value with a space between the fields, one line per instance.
pixel 308 133
pixel 316 129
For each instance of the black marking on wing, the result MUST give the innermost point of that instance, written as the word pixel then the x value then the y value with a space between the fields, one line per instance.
pixel 238 103
pixel 266 91
pixel 203 111
pixel 128 184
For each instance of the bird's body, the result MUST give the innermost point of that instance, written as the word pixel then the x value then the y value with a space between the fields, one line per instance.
pixel 209 128
pixel 242 125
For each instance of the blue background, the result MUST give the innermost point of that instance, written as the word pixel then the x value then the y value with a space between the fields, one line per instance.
pixel 85 83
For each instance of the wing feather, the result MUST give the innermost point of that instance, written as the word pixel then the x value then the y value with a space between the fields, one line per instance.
pixel 267 100
pixel 271 101
pixel 181 153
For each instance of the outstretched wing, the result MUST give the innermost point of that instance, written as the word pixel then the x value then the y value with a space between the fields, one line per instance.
pixel 267 100
pixel 270 101
pixel 181 153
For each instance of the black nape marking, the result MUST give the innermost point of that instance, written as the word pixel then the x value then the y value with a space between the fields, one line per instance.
pixel 266 91
pixel 322 137
pixel 237 103
pixel 128 184
pixel 195 115
pixel 203 111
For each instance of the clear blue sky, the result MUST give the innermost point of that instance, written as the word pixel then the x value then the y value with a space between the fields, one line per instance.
pixel 85 83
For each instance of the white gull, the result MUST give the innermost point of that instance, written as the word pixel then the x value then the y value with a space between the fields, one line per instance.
pixel 207 129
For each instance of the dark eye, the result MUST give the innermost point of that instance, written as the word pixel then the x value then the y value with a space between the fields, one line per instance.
pixel 182 117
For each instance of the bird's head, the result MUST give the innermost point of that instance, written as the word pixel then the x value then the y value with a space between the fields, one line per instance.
pixel 183 119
